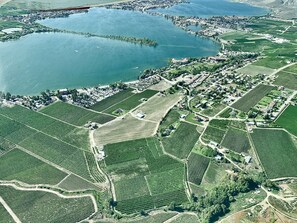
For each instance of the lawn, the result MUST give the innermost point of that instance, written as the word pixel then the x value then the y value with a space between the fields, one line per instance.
pixel 182 141
pixel 131 188
pixel 288 119
pixel 236 140
pixel 197 165
pixel 250 99
pixel 189 218
pixel 75 115
pixel 254 70
pixel 37 206
pixel 288 80
pixel 156 218
pixel 28 169
pixel 276 151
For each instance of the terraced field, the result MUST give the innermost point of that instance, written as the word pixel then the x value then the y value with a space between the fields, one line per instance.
pixel 74 114
pixel 276 151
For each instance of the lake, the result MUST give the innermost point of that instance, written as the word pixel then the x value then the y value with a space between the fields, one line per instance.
pixel 58 60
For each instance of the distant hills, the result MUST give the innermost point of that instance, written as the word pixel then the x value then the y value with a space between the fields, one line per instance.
pixel 281 8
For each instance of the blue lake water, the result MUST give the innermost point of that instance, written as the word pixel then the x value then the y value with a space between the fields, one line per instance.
pixel 207 8
pixel 57 60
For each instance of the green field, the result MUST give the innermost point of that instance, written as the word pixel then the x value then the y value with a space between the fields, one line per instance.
pixel 157 218
pixel 5 146
pixel 276 151
pixel 250 99
pixel 131 188
pixel 254 70
pixel 74 183
pixel 112 100
pixel 236 140
pixel 213 134
pixel 141 164
pixel 182 141
pixel 288 80
pixel 188 218
pixel 18 165
pixel 288 119
pixel 75 115
pixel 37 121
pixel 5 216
pixel 131 102
pixel 163 182
pixel 37 206
pixel 213 175
pixel 171 118
pixel 197 165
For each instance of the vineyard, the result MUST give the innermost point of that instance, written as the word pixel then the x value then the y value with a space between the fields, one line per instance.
pixel 197 165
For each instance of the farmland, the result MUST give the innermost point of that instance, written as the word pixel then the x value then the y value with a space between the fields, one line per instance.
pixel 112 100
pixel 74 114
pixel 156 108
pixel 276 151
pixel 127 128
pixel 182 141
pixel 141 164
pixel 39 206
pixel 74 183
pixel 213 134
pixel 5 216
pixel 47 125
pixel 197 165
pixel 252 98
pixel 286 79
pixel 131 102
pixel 288 120
pixel 236 140
pixel 254 70
pixel 28 169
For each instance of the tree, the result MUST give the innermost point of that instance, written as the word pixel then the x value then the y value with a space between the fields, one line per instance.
pixel 8 96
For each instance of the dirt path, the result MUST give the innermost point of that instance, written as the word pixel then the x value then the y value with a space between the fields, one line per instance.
pixel 9 210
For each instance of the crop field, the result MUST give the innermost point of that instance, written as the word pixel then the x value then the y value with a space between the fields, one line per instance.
pixel 74 183
pixel 250 99
pixel 291 69
pixel 18 165
pixel 95 173
pixel 286 79
pixel 5 216
pixel 5 146
pixel 213 175
pixel 276 151
pixel 171 118
pixel 129 128
pixel 141 164
pixel 163 182
pixel 75 115
pixel 131 188
pixel 37 206
pixel 131 102
pixel 182 141
pixel 48 125
pixel 213 134
pixel 161 86
pixel 156 108
pixel 55 4
pixel 288 120
pixel 254 70
pixel 236 140
pixel 189 218
pixel 156 218
pixel 197 165
pixel 112 100
pixel 58 152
